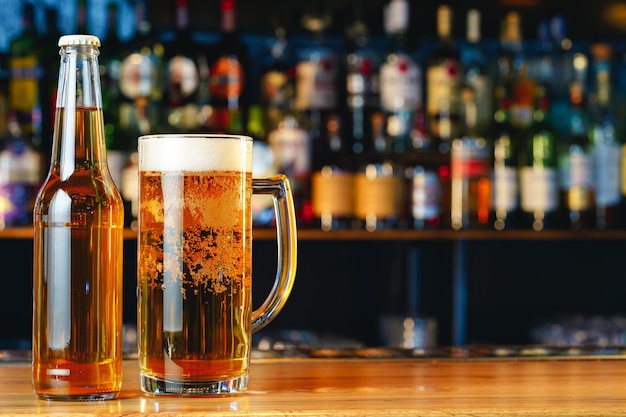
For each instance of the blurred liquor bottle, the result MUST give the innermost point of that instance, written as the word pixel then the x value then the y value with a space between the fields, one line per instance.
pixel 423 195
pixel 604 140
pixel 21 162
pixel 509 59
pixel 291 147
pixel 505 212
pixel 276 100
pixel 50 69
pixel 186 95
pixel 5 75
pixel 470 172
pixel 110 75
pixel 277 77
pixel 538 170
pixel 400 80
pixel 22 167
pixel 263 165
pixel 140 83
pixel 129 172
pixel 477 72
pixel 523 98
pixel 378 183
pixel 228 75
pixel 25 77
pixel 110 65
pixel 21 159
pixel 576 176
pixel 443 84
pixel 362 88
pixel 134 108
pixel 317 72
pixel 541 59
pixel 332 182
pixel 565 68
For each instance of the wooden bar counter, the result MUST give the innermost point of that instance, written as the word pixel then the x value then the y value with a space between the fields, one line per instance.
pixel 581 386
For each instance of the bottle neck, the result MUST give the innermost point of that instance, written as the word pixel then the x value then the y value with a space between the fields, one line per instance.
pixel 140 13
pixel 397 41
pixel 473 27
pixel 444 25
pixel 380 142
pixel 182 15
pixel 228 21
pixel 540 115
pixel 511 36
pixel 78 142
pixel 27 18
pixel 502 115
pixel 278 51
pixel 603 86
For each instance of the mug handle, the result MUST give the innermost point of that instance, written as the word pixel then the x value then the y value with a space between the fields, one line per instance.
pixel 278 187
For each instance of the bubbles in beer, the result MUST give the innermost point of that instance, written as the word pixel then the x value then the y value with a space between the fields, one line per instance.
pixel 196 219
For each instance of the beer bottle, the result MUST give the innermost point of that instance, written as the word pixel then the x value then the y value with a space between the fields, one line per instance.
pixel 78 238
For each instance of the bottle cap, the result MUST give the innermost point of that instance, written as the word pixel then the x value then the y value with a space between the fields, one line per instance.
pixel 89 40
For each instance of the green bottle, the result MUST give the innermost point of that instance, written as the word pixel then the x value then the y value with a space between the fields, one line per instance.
pixel 538 170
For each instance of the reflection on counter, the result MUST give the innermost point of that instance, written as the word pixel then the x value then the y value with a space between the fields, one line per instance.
pixel 580 330
pixel 408 332
pixel 411 332
pixel 459 352
pixel 479 352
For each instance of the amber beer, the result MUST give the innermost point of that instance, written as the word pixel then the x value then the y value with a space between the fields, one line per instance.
pixel 194 269
pixel 77 344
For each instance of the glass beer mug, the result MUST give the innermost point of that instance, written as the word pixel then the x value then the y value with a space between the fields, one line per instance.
pixel 195 316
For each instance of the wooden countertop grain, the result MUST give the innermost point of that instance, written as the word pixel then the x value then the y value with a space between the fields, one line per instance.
pixel 364 387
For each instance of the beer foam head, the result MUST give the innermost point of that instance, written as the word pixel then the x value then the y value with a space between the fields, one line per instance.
pixel 180 152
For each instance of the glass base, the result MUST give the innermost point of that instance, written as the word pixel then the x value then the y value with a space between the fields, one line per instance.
pixel 153 385
pixel 82 397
